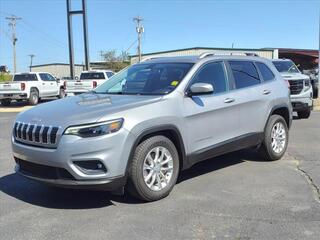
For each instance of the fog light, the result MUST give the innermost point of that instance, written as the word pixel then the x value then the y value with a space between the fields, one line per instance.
pixel 91 167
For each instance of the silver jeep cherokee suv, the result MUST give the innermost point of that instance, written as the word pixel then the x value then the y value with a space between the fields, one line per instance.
pixel 152 120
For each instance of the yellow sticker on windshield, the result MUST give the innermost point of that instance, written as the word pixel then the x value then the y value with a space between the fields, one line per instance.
pixel 174 83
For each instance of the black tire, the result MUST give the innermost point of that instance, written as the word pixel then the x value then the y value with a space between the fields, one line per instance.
pixel 5 102
pixel 315 93
pixel 304 114
pixel 34 97
pixel 266 150
pixel 136 185
pixel 62 93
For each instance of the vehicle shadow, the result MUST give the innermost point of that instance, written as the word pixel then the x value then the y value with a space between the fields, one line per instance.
pixel 58 198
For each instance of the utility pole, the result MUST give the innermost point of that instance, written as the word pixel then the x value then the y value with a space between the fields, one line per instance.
pixel 12 23
pixel 139 30
pixel 31 58
pixel 82 12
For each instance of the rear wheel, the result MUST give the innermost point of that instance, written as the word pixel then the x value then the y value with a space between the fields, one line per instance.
pixel 276 138
pixel 304 114
pixel 154 169
pixel 34 97
pixel 5 102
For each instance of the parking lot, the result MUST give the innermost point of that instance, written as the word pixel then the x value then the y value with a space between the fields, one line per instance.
pixel 231 197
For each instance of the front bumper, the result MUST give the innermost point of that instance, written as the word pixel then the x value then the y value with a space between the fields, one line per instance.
pixel 302 101
pixel 108 184
pixel 59 166
pixel 14 96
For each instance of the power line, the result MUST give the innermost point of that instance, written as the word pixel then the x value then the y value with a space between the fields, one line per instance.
pixel 12 23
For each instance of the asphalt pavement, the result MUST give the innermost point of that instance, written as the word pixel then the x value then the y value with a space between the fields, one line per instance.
pixel 236 196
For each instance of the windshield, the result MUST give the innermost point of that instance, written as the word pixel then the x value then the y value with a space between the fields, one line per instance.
pixel 146 79
pixel 286 66
pixel 25 77
pixel 92 75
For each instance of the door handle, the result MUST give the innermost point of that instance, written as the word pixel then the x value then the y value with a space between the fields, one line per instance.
pixel 229 100
pixel 266 92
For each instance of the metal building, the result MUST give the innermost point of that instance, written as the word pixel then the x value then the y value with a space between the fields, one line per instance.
pixel 267 53
pixel 59 70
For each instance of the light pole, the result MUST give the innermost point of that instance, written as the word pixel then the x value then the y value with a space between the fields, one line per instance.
pixel 82 12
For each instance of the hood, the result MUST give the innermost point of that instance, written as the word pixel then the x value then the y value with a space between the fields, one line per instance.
pixel 82 109
pixel 293 76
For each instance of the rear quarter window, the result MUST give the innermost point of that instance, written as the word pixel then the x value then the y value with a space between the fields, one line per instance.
pixel 245 73
pixel 265 71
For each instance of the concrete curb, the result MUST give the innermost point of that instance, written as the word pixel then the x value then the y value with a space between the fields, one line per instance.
pixel 14 109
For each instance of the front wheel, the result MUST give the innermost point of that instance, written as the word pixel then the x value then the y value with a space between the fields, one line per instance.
pixel 304 114
pixel 154 169
pixel 276 136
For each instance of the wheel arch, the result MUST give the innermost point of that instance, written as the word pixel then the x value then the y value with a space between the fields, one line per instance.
pixel 283 111
pixel 167 130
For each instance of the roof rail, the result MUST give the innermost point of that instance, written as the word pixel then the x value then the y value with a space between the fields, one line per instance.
pixel 150 58
pixel 210 54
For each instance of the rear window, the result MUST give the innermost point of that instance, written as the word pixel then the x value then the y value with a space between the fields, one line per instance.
pixel 25 77
pixel 245 74
pixel 265 71
pixel 92 75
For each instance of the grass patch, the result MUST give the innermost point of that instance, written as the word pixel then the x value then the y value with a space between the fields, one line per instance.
pixel 4 77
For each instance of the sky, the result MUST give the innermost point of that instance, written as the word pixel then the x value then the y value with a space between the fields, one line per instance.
pixel 168 25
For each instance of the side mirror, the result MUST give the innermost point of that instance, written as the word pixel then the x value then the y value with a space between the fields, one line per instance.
pixel 200 89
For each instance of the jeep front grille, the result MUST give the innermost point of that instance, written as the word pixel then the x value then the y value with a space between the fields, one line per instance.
pixel 296 86
pixel 36 134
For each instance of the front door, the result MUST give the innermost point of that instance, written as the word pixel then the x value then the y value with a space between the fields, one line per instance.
pixel 211 119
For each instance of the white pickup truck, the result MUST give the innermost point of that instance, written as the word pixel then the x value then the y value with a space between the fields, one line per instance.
pixel 88 81
pixel 30 87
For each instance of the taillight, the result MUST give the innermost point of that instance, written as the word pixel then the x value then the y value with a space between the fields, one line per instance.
pixel 95 84
pixel 65 84
pixel 23 86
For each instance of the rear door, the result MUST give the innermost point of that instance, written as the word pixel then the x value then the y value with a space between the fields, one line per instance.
pixel 211 119
pixel 45 85
pixel 251 100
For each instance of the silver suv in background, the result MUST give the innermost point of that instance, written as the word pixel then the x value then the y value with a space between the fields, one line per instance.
pixel 146 124
pixel 300 87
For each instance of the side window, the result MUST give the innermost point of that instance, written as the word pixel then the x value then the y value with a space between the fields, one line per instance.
pixel 109 74
pixel 214 74
pixel 50 77
pixel 245 73
pixel 43 77
pixel 265 71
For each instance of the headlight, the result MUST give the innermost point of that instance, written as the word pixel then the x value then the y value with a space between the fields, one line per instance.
pixel 95 129
pixel 307 82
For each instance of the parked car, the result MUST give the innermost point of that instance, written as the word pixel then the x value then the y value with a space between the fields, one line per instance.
pixel 88 81
pixel 314 76
pixel 300 87
pixel 152 120
pixel 30 87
